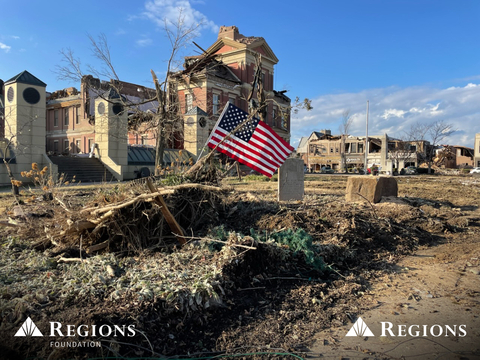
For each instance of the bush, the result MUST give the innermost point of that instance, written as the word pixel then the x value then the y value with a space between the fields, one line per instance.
pixel 297 241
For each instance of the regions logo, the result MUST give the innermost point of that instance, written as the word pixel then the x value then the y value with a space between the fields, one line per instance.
pixel 403 330
pixel 28 328
pixel 359 329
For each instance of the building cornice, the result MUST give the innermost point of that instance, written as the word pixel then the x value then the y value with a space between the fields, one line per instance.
pixel 217 45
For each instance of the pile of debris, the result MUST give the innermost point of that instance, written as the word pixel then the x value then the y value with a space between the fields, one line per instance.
pixel 253 271
pixel 131 218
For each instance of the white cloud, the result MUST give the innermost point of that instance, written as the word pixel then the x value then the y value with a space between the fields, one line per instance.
pixel 144 42
pixel 394 110
pixel 15 37
pixel 4 47
pixel 393 113
pixel 160 10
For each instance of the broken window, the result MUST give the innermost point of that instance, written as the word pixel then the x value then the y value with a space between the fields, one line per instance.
pixel 283 119
pixel 215 104
pixel 188 102
pixel 375 146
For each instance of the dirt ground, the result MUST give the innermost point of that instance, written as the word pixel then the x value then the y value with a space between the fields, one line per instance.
pixel 411 260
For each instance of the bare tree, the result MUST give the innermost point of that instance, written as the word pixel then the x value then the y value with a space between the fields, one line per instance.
pixel 5 147
pixel 166 120
pixel 72 70
pixel 344 128
pixel 434 132
pixel 179 34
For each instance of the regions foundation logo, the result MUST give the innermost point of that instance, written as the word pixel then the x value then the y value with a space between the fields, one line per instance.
pixel 359 329
pixel 79 335
pixel 28 328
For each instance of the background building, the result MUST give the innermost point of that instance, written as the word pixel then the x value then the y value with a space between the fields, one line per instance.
pixel 322 149
pixel 225 73
pixel 454 157
pixel 71 114
pixel 112 116
pixel 476 148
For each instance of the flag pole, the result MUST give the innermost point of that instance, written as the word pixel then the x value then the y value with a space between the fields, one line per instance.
pixel 366 146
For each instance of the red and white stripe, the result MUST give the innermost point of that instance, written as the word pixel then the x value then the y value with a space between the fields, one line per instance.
pixel 265 152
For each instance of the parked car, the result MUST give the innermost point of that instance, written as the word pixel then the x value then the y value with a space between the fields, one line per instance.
pixel 326 170
pixel 411 170
pixel 475 170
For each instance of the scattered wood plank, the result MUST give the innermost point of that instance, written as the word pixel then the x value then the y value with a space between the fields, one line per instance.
pixel 149 197
pixel 6 223
pixel 98 247
pixel 78 227
pixel 67 260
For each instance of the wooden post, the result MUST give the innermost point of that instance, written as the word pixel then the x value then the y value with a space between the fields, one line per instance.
pixel 239 173
pixel 174 226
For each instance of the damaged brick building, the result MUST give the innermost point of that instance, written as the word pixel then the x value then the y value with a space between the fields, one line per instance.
pixel 224 73
pixel 111 116
pixel 322 149
pixel 71 114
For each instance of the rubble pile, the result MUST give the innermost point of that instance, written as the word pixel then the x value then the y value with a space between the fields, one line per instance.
pixel 252 271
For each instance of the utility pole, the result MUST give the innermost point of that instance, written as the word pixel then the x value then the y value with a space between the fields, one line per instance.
pixel 366 145
pixel 308 154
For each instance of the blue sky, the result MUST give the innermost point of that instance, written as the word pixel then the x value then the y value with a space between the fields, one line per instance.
pixel 414 60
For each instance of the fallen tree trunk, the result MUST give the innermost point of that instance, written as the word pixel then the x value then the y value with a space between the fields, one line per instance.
pixel 176 229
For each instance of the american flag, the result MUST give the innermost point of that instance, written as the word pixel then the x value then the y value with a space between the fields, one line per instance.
pixel 256 144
